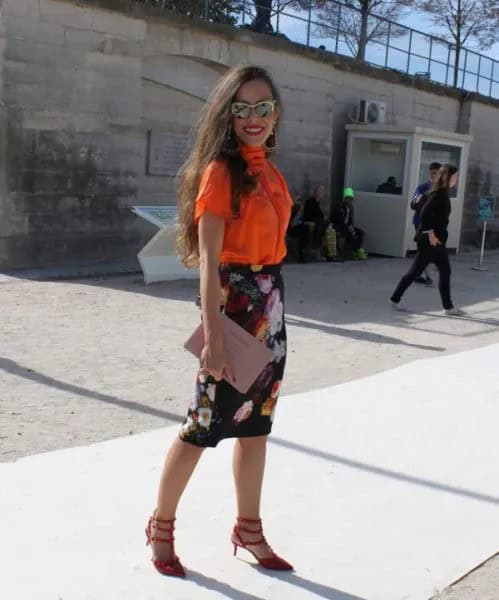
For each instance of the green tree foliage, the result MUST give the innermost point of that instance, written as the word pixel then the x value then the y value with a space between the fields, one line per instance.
pixel 219 11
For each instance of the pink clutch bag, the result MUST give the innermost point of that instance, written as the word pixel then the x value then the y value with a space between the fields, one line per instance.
pixel 246 355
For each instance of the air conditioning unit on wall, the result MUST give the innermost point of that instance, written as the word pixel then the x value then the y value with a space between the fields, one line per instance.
pixel 372 112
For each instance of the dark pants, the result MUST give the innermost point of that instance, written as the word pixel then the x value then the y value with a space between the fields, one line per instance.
pixel 424 274
pixel 301 233
pixel 353 235
pixel 317 230
pixel 428 254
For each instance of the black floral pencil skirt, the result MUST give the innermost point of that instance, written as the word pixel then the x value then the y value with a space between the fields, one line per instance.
pixel 255 301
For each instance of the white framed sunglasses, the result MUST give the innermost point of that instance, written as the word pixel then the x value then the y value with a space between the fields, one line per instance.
pixel 242 110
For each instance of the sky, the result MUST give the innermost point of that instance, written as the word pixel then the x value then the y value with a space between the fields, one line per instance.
pixel 396 57
pixel 418 20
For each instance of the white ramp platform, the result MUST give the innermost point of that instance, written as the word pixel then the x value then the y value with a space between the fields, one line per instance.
pixel 158 258
pixel 385 488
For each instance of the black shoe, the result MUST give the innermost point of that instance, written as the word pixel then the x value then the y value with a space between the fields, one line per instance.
pixel 428 281
pixel 420 279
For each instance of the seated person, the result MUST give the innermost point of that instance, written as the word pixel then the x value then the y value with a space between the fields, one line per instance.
pixel 389 187
pixel 314 218
pixel 343 223
pixel 298 230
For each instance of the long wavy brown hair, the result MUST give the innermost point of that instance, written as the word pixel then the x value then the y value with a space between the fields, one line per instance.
pixel 214 140
pixel 443 178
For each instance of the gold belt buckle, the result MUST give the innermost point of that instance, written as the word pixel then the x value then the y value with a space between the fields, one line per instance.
pixel 256 268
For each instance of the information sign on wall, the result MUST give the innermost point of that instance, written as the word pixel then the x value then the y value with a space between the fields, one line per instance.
pixel 166 153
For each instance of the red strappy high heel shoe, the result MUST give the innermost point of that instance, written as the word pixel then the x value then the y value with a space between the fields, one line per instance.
pixel 274 562
pixel 173 567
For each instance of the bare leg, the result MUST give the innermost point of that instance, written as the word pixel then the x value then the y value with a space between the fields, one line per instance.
pixel 180 463
pixel 248 468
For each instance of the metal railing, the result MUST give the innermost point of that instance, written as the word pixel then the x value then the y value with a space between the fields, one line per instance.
pixel 333 26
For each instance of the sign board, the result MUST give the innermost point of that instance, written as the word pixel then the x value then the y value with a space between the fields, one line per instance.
pixel 486 208
pixel 166 153
pixel 161 216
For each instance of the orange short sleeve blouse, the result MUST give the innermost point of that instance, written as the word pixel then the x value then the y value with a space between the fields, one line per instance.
pixel 257 236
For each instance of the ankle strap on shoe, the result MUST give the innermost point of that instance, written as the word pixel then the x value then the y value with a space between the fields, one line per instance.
pixel 255 522
pixel 244 520
pixel 156 520
pixel 156 523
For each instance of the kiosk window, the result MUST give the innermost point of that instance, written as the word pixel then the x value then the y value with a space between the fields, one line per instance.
pixel 442 153
pixel 378 165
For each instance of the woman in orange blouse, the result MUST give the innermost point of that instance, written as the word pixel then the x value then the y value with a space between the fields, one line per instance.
pixel 234 209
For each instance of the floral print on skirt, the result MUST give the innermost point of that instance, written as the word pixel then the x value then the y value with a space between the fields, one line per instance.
pixel 254 300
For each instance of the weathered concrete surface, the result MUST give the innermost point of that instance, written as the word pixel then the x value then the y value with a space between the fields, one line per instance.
pixel 483 175
pixel 83 85
pixel 109 346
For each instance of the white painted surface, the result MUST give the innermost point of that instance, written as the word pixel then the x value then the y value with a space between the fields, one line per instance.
pixel 159 262
pixel 385 488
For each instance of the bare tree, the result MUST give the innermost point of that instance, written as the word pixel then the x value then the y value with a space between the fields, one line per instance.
pixel 265 10
pixel 361 21
pixel 465 20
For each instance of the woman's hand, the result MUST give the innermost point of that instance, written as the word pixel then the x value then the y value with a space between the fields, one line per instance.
pixel 432 238
pixel 211 234
pixel 214 361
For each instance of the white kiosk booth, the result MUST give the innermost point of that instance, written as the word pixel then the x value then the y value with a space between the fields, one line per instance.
pixel 378 152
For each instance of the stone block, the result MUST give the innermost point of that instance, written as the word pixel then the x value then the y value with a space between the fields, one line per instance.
pixel 117 99
pixel 113 65
pixel 65 13
pixel 81 39
pixel 33 29
pixel 271 60
pixel 289 80
pixel 71 58
pixel 161 40
pixel 307 66
pixel 28 51
pixel 118 25
pixel 26 95
pixel 203 46
pixel 22 72
pixel 181 73
pixel 22 8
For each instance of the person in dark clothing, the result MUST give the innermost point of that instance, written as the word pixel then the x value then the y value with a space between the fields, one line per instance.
pixel 389 187
pixel 343 222
pixel 431 238
pixel 313 211
pixel 418 201
pixel 298 230
pixel 313 217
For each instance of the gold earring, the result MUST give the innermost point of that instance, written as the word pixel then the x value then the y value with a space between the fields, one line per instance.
pixel 273 135
pixel 231 143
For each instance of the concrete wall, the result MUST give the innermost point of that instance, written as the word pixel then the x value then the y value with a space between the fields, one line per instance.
pixel 3 134
pixel 74 143
pixel 483 169
pixel 83 85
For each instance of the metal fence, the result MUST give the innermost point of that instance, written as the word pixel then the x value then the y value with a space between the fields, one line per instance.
pixel 333 26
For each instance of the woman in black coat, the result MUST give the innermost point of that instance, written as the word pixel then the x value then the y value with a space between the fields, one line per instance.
pixel 431 238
